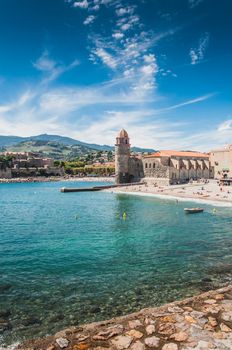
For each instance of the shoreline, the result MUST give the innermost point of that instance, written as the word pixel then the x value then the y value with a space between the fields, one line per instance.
pixel 57 179
pixel 201 321
pixel 213 202
pixel 209 194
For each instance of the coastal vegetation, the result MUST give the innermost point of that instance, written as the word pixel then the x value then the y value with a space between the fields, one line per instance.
pixel 84 167
pixel 6 161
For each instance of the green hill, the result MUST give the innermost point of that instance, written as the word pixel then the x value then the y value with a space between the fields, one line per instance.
pixel 51 149
pixel 55 146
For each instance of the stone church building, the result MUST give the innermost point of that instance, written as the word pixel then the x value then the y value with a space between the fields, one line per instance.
pixel 161 168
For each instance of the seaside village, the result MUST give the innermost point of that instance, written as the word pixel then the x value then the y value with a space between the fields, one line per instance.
pixel 161 168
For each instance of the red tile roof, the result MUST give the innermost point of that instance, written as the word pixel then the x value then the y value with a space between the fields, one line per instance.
pixel 171 153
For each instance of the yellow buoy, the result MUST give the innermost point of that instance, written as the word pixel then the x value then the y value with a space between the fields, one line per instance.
pixel 124 215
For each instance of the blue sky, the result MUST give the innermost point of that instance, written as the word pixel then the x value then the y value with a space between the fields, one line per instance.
pixel 86 68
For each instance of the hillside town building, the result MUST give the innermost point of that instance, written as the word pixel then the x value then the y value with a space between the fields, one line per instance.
pixel 161 168
pixel 24 164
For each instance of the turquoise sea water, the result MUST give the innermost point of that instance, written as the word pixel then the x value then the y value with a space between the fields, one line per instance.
pixel 67 259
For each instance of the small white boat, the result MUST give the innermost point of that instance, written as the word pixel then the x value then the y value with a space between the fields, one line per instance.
pixel 193 210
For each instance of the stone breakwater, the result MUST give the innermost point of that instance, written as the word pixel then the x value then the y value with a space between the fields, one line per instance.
pixel 197 323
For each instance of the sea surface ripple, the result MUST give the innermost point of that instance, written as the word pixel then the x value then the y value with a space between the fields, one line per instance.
pixel 71 258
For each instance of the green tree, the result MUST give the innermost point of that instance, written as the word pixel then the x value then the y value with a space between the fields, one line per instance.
pixel 110 156
pixel 99 154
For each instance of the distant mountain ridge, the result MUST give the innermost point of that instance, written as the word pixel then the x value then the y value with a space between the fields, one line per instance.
pixel 17 142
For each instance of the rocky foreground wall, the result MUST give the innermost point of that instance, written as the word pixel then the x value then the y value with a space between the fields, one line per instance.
pixel 198 323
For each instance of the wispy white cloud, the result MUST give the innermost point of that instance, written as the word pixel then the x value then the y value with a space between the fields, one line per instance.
pixel 197 54
pixel 51 68
pixel 118 35
pixel 138 124
pixel 90 19
pixel 81 4
pixel 146 129
pixel 215 136
pixel 128 22
pixel 193 56
pixel 67 111
pixel 106 57
pixel 123 46
pixel 190 102
pixel 20 102
pixel 131 59
pixel 225 126
pixel 194 3
pixel 125 11
pixel 44 63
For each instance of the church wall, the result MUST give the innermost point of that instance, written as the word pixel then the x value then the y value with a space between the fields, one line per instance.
pixel 135 169
pixel 206 170
pixel 199 173
pixel 154 168
pixel 184 174
pixel 178 175
pixel 174 174
pixel 192 173
pixel 175 170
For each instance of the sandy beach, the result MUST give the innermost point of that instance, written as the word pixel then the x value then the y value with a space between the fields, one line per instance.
pixel 205 193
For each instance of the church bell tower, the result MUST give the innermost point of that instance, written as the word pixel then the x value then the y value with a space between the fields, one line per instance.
pixel 122 155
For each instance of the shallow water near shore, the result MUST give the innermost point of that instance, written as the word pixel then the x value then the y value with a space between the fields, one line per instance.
pixel 67 259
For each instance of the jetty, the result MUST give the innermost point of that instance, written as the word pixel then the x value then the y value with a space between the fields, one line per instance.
pixel 97 188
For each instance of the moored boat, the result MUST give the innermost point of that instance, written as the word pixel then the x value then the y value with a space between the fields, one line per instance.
pixel 193 210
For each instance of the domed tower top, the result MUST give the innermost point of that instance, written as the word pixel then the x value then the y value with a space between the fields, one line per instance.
pixel 122 133
pixel 122 138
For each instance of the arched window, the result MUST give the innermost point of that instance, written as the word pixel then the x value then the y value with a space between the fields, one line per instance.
pixel 150 165
pixel 145 165
pixel 153 165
